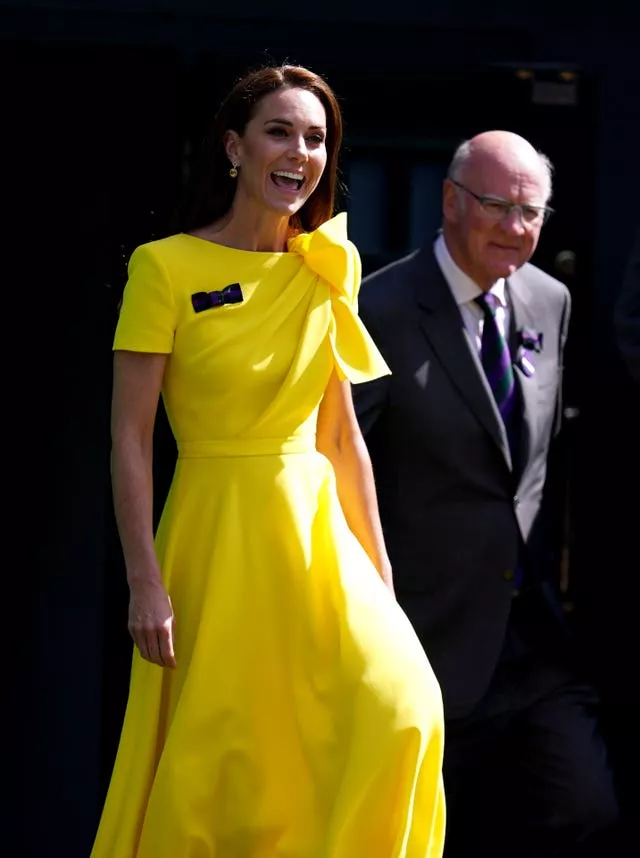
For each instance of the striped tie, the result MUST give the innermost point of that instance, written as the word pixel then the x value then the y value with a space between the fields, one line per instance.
pixel 496 362
pixel 496 358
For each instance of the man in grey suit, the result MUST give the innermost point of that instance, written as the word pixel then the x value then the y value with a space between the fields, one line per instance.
pixel 627 317
pixel 460 437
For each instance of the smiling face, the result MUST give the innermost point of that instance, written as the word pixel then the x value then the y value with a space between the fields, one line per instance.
pixel 282 154
pixel 485 249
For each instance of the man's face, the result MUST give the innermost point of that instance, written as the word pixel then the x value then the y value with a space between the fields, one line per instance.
pixel 486 244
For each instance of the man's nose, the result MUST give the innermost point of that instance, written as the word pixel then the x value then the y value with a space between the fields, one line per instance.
pixel 514 222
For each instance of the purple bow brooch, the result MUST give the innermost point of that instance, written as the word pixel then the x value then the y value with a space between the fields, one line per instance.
pixel 529 345
pixel 205 300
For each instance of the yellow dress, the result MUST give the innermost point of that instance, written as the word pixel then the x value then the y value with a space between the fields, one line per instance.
pixel 303 719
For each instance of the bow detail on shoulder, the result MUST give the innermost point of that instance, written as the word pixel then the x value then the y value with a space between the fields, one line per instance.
pixel 328 253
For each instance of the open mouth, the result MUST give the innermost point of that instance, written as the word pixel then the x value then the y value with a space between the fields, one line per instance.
pixel 287 181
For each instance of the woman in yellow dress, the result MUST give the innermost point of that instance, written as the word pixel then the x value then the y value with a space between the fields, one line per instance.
pixel 280 704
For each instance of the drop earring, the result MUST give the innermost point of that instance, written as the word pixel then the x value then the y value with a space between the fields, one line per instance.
pixel 233 172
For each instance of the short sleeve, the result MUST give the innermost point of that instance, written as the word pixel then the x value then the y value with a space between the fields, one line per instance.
pixel 147 320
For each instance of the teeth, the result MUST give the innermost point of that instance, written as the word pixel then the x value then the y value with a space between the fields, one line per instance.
pixel 287 175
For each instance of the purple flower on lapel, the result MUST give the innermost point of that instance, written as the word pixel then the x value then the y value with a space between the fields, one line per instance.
pixel 529 345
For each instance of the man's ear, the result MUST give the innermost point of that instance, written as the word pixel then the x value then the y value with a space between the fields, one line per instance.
pixel 450 201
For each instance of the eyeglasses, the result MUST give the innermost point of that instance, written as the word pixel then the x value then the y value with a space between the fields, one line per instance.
pixel 498 209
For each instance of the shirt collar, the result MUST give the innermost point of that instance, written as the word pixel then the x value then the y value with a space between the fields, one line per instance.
pixel 463 288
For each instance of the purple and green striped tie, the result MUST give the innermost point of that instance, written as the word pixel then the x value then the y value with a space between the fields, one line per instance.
pixel 496 358
pixel 496 362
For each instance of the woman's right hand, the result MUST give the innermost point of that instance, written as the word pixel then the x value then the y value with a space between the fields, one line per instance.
pixel 151 623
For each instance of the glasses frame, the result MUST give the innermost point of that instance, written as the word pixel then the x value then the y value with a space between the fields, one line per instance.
pixel 545 211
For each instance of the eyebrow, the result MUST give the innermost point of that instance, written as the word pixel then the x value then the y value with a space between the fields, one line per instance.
pixel 290 124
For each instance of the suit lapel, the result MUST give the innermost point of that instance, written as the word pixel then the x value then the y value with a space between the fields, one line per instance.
pixel 443 327
pixel 522 317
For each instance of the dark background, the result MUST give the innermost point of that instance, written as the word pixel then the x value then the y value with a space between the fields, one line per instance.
pixel 102 104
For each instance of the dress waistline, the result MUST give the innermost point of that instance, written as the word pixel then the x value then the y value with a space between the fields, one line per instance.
pixel 230 447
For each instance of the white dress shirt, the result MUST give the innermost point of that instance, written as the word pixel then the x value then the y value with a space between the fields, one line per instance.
pixel 464 290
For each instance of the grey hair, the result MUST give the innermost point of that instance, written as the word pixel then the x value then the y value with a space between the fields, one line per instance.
pixel 463 152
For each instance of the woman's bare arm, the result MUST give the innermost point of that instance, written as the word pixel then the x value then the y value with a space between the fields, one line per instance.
pixel 340 440
pixel 137 380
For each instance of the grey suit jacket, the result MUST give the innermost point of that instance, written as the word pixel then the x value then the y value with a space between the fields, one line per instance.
pixel 456 515
pixel 627 315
